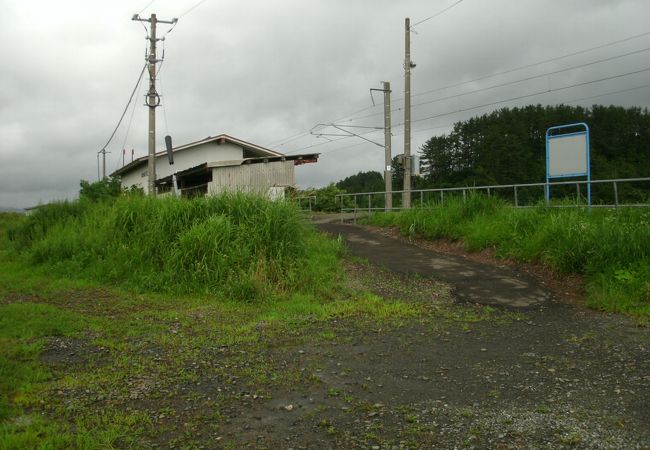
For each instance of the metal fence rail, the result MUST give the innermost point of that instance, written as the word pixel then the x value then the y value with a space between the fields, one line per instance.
pixel 309 199
pixel 510 191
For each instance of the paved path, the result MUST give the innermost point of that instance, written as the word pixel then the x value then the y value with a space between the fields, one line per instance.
pixel 472 281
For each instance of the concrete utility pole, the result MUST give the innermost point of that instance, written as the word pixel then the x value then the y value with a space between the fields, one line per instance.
pixel 406 197
pixel 153 99
pixel 388 170
pixel 388 158
pixel 103 152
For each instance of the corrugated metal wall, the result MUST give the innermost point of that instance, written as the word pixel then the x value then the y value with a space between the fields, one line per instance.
pixel 252 177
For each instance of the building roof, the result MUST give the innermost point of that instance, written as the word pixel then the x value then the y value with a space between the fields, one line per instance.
pixel 221 139
pixel 297 160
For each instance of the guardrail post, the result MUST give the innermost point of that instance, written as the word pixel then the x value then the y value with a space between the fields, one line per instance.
pixel 421 199
pixel 464 195
pixel 442 197
pixel 578 193
pixel 369 203
pixel 516 199
pixel 488 191
pixel 547 194
pixel 615 193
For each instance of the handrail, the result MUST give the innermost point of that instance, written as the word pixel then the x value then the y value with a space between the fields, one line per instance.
pixel 496 186
pixel 464 190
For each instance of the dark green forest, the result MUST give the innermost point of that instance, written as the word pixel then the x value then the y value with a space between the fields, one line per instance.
pixel 362 182
pixel 508 146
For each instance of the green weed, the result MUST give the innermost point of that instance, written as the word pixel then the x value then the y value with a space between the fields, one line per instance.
pixel 610 247
pixel 233 246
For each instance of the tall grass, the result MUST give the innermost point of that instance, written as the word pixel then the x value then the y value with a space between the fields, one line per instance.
pixel 611 248
pixel 239 246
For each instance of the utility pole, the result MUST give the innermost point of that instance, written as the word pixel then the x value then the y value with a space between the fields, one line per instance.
pixel 408 64
pixel 103 152
pixel 388 159
pixel 153 99
pixel 388 172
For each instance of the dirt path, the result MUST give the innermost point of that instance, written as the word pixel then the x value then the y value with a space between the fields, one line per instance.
pixel 531 373
pixel 472 281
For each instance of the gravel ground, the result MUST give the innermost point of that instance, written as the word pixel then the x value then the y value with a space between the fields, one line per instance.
pixel 554 378
pixel 460 375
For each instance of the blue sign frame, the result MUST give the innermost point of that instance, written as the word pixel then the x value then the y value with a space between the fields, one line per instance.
pixel 587 173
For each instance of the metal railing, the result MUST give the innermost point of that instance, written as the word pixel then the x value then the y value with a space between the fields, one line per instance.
pixel 506 191
pixel 310 200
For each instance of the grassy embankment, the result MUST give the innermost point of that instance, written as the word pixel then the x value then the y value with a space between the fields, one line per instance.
pixel 611 248
pixel 129 298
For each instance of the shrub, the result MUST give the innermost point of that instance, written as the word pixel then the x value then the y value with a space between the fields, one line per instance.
pixel 100 190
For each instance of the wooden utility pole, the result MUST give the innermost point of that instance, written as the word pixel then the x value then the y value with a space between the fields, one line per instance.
pixel 153 99
pixel 406 196
pixel 388 170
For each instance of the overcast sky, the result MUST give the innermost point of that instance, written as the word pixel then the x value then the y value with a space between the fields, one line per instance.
pixel 266 71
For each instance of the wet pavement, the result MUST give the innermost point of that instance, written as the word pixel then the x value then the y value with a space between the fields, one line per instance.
pixel 472 281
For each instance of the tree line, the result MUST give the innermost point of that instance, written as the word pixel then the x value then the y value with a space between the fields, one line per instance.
pixel 508 146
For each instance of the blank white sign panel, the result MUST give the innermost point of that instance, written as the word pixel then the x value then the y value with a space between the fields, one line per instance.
pixel 567 155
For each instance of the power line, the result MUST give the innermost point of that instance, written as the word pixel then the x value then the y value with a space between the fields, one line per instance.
pixel 329 141
pixel 620 91
pixel 535 93
pixel 608 93
pixel 128 127
pixel 555 72
pixel 293 137
pixel 439 13
pixel 288 139
pixel 521 80
pixel 484 77
pixel 126 107
pixel 395 134
pixel 148 5
pixel 526 66
pixel 192 8
pixel 539 63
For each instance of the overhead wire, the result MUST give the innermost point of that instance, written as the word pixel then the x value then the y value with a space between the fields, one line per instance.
pixel 534 77
pixel 148 5
pixel 622 91
pixel 128 127
pixel 192 8
pixel 126 107
pixel 327 152
pixel 539 63
pixel 293 137
pixel 526 66
pixel 519 97
pixel 439 13
pixel 419 130
pixel 521 80
pixel 351 117
pixel 509 100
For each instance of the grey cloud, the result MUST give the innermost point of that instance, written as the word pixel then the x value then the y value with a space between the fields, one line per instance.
pixel 264 71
